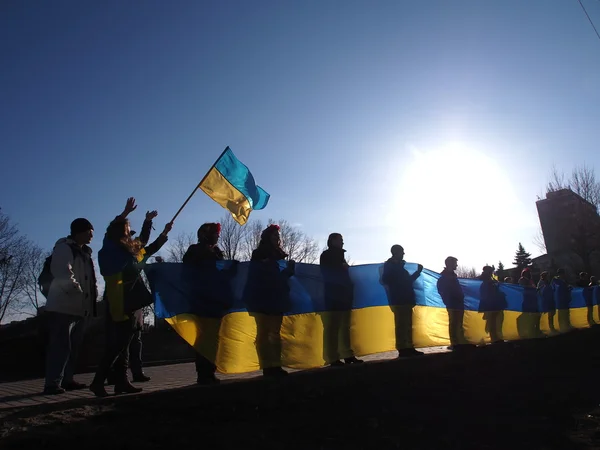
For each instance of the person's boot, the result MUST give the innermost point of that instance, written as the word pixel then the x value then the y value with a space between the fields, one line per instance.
pixel 97 386
pixel 337 363
pixel 274 372
pixel 73 385
pixel 141 377
pixel 207 379
pixel 53 390
pixel 353 360
pixel 408 352
pixel 123 386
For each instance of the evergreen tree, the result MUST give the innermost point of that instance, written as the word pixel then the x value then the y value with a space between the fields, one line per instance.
pixel 500 271
pixel 522 258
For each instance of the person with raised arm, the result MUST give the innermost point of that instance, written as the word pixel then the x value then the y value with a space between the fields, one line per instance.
pixel 121 261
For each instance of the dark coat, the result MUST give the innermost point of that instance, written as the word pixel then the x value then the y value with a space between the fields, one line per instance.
pixel 339 289
pixel 213 295
pixel 399 282
pixel 267 289
pixel 450 290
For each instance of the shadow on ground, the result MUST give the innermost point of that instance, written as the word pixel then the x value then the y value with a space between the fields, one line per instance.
pixel 539 394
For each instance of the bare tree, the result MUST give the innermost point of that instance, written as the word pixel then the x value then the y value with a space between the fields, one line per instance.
pixel 557 181
pixel 232 238
pixel 13 257
pixel 583 182
pixel 539 242
pixel 254 228
pixel 32 299
pixel 179 245
pixel 298 245
pixel 466 272
pixel 584 235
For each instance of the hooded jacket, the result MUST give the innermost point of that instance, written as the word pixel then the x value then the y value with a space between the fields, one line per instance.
pixel 73 289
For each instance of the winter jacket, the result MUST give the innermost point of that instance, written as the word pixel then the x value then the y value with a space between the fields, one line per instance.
pixel 198 254
pixel 526 282
pixel 450 290
pixel 73 289
pixel 338 286
pixel 267 289
pixel 399 282
pixel 122 275
pixel 211 287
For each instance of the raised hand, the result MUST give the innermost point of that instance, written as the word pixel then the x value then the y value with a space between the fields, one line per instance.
pixel 130 206
pixel 151 214
pixel 420 268
pixel 168 227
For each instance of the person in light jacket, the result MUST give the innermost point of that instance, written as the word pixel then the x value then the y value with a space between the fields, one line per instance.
pixel 71 300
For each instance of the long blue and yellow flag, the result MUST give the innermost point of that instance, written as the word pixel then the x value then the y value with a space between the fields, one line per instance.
pixel 231 185
pixel 221 316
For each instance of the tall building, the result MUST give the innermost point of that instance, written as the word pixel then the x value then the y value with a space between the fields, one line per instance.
pixel 571 229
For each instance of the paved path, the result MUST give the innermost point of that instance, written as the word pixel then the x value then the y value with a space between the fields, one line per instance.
pixel 22 394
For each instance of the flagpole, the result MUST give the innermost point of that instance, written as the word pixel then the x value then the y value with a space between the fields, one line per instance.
pixel 198 185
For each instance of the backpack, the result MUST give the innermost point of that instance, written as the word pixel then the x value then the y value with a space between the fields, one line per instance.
pixel 46 277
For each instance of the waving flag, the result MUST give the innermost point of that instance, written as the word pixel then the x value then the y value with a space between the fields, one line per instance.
pixel 231 185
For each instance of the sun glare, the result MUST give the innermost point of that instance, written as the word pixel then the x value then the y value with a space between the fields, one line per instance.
pixel 453 200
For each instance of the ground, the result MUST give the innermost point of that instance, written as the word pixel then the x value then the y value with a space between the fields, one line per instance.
pixel 539 394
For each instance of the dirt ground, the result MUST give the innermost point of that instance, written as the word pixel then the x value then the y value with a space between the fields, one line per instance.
pixel 541 394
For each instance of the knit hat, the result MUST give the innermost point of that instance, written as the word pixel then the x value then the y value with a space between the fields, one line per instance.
pixel 80 225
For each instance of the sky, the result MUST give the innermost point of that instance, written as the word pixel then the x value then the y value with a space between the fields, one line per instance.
pixel 431 124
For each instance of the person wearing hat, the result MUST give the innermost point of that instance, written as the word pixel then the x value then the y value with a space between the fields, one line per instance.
pixel 525 280
pixel 401 296
pixel 454 299
pixel 71 300
pixel 203 256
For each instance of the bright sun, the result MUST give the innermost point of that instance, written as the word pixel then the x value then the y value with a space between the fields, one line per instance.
pixel 448 201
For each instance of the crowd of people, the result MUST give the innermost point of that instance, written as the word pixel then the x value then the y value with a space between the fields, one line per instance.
pixel 73 294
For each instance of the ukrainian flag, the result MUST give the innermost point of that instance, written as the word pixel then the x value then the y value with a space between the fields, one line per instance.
pixel 231 185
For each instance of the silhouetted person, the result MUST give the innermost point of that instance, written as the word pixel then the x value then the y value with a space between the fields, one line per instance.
pixel 401 296
pixel 528 323
pixel 454 299
pixel 204 256
pixel 339 297
pixel 492 305
pixel 562 299
pixel 583 280
pixel 525 280
pixel 268 298
pixel 544 289
pixel 135 348
pixel 121 261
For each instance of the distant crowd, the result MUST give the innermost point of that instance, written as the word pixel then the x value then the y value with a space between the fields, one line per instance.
pixel 69 283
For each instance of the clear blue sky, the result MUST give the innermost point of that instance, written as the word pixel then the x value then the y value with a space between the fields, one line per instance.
pixel 433 124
